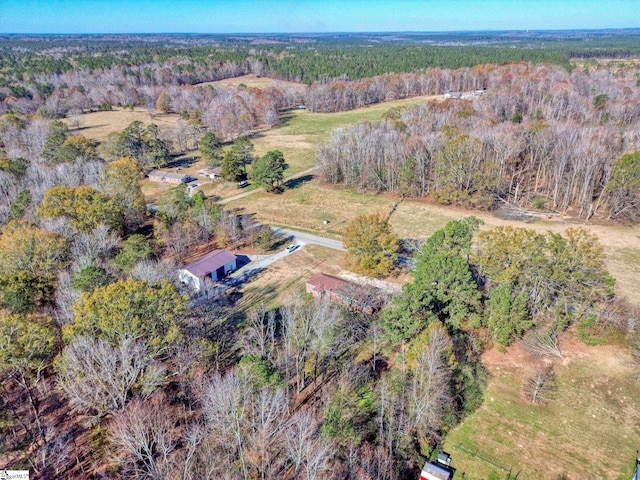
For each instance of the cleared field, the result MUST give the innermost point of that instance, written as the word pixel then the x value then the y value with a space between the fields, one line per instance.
pixel 98 125
pixel 251 80
pixel 589 429
pixel 301 131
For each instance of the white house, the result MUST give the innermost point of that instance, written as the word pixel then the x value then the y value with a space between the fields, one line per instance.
pixel 168 177
pixel 211 173
pixel 215 265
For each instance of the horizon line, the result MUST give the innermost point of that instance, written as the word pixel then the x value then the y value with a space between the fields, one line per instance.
pixel 337 32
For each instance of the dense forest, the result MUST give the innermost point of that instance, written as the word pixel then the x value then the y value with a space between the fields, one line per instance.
pixel 305 58
pixel 109 368
pixel 537 136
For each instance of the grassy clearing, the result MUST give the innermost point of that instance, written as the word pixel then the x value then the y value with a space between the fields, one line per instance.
pixel 98 125
pixel 280 279
pixel 588 430
pixel 301 131
pixel 250 81
pixel 309 204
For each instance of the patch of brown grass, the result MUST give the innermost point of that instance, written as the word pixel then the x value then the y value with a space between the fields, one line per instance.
pixel 587 430
pixel 251 80
pixel 279 279
pixel 98 125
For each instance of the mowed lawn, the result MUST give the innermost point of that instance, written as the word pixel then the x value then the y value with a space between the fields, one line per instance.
pixel 590 428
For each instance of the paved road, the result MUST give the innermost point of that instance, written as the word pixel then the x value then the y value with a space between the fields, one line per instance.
pixel 304 237
pixel 311 238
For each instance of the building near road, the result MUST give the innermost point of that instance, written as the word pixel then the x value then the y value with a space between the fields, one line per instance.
pixel 214 266
pixel 439 469
pixel 211 173
pixel 346 293
pixel 169 177
pixel 322 284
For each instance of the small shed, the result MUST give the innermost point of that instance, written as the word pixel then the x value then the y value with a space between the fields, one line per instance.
pixel 211 173
pixel 322 283
pixel 214 265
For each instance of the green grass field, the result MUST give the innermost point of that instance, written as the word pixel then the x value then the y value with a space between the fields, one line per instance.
pixel 589 430
pixel 301 131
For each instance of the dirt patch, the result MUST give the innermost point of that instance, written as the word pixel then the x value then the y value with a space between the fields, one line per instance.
pixel 572 348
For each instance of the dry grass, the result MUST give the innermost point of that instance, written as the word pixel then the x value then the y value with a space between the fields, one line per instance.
pixel 301 131
pixel 272 286
pixel 588 430
pixel 98 125
pixel 250 81
pixel 306 206
pixel 309 204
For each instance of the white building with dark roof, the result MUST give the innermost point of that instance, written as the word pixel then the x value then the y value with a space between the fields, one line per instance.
pixel 214 265
pixel 169 177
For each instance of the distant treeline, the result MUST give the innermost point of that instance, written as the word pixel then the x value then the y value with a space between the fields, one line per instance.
pixel 537 137
pixel 304 58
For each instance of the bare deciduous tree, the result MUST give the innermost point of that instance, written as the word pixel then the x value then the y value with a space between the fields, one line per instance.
pixel 99 378
pixel 143 439
pixel 309 452
pixel 540 386
pixel 542 342
pixel 430 391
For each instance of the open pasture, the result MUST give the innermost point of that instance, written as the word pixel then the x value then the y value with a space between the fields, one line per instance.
pixel 587 430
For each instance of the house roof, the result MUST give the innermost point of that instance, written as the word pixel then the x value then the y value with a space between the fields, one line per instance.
pixel 210 262
pixel 163 174
pixel 321 282
pixel 210 171
pixel 436 471
pixel 177 176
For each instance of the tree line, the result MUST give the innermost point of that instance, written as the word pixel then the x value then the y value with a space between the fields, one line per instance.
pixel 296 58
pixel 538 137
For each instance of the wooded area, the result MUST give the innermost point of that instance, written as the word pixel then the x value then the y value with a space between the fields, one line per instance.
pixel 538 137
pixel 110 368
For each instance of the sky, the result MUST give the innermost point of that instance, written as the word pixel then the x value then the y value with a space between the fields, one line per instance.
pixel 311 16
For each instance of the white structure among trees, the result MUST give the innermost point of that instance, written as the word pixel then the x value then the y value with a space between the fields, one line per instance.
pixel 215 264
